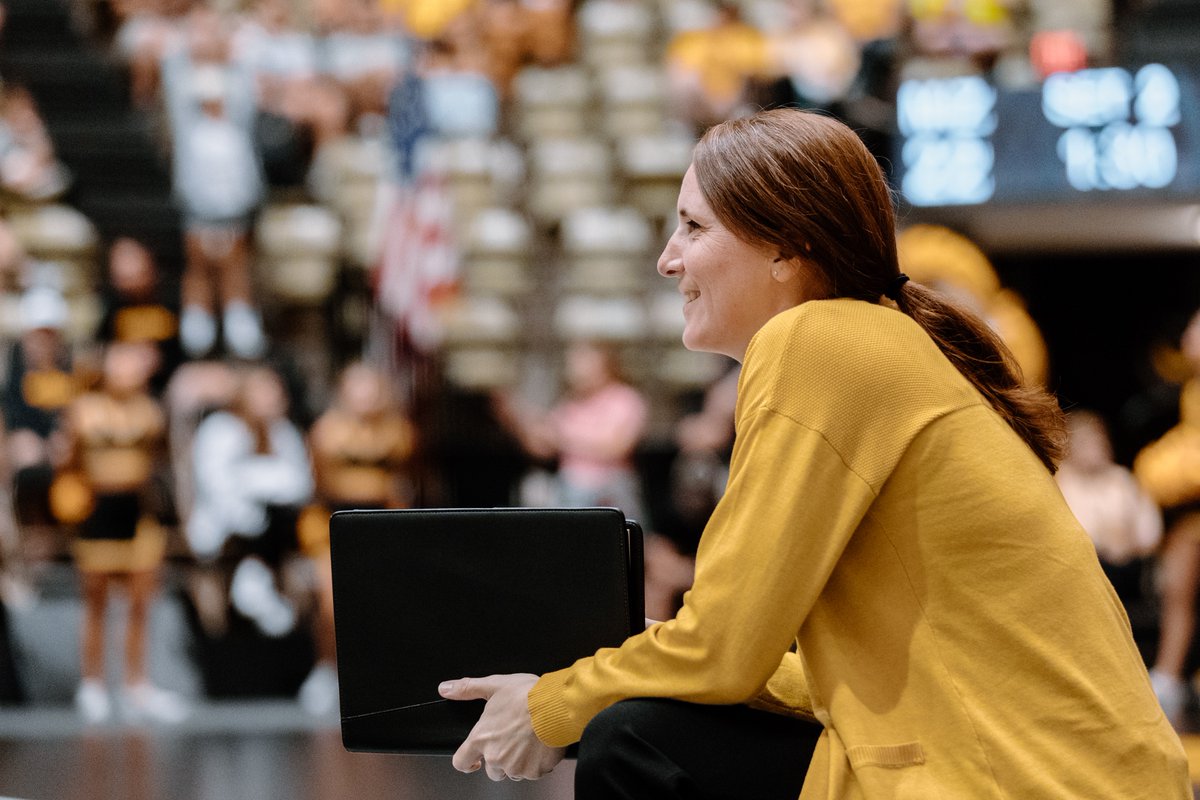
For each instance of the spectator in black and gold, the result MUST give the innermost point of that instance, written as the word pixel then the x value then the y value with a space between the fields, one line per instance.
pixel 114 438
pixel 361 450
pixel 38 388
pixel 137 310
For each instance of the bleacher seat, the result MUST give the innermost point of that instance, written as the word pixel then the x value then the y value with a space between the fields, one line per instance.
pixel 482 368
pixel 552 102
pixel 475 319
pixel 469 170
pixel 653 167
pixel 61 235
pixel 616 32
pixel 568 174
pixel 687 15
pixel 481 342
pixel 346 176
pixel 607 250
pixel 298 247
pixel 580 316
pixel 497 253
pixel 767 15
pixel 63 248
pixel 635 100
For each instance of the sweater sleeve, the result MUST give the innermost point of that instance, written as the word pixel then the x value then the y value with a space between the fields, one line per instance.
pixel 791 507
pixel 787 690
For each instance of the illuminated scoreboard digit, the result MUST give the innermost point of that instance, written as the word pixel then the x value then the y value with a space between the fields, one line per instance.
pixel 947 152
pixel 1110 130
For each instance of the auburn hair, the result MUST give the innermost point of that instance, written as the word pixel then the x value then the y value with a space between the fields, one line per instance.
pixel 805 185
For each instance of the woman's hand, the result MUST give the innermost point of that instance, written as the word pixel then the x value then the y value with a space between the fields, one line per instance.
pixel 503 740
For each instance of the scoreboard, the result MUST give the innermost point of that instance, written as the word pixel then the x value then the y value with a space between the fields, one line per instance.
pixel 1091 134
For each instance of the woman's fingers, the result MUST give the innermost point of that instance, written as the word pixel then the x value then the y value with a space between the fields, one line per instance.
pixel 469 688
pixel 469 756
pixel 502 741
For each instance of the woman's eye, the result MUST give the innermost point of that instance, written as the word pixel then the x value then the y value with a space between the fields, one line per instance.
pixel 692 225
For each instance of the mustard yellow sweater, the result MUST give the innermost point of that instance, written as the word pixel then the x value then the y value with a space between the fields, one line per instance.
pixel 954 632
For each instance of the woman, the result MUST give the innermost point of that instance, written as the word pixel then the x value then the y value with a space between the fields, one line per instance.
pixel 1125 524
pixel 891 558
pixel 361 448
pixel 593 431
pixel 136 309
pixel 115 440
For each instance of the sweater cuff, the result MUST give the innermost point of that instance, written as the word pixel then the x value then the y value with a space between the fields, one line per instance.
pixel 548 710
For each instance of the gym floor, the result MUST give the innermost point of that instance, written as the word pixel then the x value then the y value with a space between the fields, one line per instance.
pixel 256 750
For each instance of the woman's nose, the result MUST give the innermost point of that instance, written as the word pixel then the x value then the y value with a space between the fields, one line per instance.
pixel 669 263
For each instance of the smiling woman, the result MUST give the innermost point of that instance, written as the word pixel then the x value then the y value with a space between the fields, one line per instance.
pixel 892 601
pixel 729 287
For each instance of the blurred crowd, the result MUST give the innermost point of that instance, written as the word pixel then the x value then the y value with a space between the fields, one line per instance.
pixel 491 174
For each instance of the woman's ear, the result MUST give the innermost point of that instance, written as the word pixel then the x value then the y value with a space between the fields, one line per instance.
pixel 803 275
pixel 785 269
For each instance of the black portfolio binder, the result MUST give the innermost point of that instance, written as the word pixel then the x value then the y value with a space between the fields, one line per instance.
pixel 427 595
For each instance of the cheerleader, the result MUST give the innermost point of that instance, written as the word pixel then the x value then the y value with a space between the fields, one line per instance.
pixel 115 437
pixel 360 448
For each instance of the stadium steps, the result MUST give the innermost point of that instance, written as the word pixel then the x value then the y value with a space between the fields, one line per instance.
pixel 121 178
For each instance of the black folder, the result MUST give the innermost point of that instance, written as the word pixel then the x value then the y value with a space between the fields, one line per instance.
pixel 427 595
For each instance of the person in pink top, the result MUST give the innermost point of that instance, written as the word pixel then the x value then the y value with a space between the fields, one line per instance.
pixel 593 431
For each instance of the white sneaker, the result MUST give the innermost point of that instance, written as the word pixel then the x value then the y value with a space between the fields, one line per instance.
pixel 1170 691
pixel 319 693
pixel 253 594
pixel 91 701
pixel 197 331
pixel 243 331
pixel 145 702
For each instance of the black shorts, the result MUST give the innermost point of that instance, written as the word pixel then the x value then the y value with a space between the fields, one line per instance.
pixel 114 517
pixel 273 545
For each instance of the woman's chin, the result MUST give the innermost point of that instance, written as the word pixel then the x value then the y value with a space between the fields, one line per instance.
pixel 696 342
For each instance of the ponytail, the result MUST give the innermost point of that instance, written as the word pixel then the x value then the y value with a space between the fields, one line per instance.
pixel 981 356
pixel 787 179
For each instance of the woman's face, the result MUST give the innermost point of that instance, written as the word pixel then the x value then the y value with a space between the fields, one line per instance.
pixel 265 398
pixel 363 392
pixel 728 288
pixel 587 368
pixel 1089 448
pixel 41 347
pixel 130 268
pixel 127 367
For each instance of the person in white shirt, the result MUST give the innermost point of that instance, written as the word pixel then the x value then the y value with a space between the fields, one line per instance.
pixel 252 474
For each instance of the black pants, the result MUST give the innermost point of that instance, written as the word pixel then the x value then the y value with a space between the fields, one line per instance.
pixel 272 545
pixel 670 750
